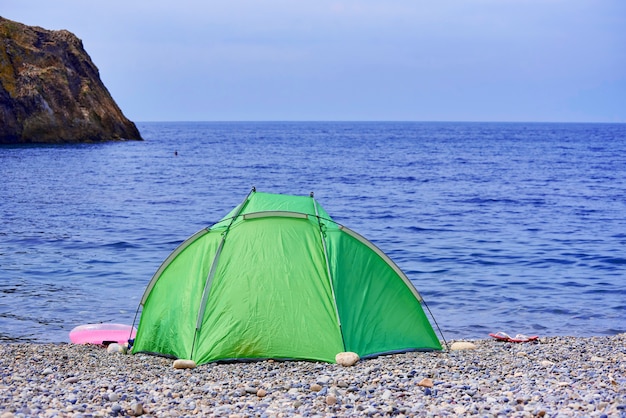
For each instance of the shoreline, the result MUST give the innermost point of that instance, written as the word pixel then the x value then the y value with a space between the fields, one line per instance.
pixel 554 376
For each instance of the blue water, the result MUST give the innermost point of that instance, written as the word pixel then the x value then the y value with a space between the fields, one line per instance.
pixel 513 227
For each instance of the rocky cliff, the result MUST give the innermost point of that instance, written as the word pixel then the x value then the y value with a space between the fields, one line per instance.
pixel 50 90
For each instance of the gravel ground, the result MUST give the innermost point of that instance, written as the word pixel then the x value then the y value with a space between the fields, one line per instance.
pixel 555 376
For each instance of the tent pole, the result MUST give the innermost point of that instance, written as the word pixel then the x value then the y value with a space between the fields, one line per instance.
pixel 330 276
pixel 211 275
pixel 131 340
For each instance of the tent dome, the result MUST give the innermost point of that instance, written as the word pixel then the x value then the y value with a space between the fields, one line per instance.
pixel 278 278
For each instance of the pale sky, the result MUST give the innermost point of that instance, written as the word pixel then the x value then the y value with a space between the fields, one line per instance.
pixel 398 60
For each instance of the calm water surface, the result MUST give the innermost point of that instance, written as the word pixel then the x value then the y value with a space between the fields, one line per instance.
pixel 513 227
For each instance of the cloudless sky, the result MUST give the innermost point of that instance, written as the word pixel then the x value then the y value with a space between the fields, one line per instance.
pixel 422 60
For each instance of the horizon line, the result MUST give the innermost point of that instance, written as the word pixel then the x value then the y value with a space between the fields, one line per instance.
pixel 372 121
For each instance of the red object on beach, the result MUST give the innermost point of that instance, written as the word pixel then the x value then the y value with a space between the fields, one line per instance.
pixel 519 338
pixel 102 334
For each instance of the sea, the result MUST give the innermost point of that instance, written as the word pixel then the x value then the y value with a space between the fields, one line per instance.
pixel 514 227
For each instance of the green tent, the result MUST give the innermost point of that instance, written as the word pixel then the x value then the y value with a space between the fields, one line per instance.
pixel 278 278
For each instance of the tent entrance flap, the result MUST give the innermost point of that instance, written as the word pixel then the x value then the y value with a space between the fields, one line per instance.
pixel 327 262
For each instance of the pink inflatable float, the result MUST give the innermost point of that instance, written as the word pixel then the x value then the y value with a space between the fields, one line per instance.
pixel 102 334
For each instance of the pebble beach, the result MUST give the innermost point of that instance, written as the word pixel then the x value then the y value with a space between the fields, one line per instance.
pixel 552 377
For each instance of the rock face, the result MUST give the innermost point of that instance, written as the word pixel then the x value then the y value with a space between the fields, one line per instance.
pixel 51 92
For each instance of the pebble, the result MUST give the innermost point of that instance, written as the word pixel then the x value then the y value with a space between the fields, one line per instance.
pixel 323 380
pixel 462 345
pixel 315 387
pixel 136 409
pixel 115 348
pixel 347 358
pixel 184 364
pixel 556 376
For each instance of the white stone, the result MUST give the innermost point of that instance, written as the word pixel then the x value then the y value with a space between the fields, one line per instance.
pixel 462 345
pixel 347 358
pixel 115 348
pixel 184 364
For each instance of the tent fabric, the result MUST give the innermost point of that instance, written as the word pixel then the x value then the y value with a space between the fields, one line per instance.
pixel 278 278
